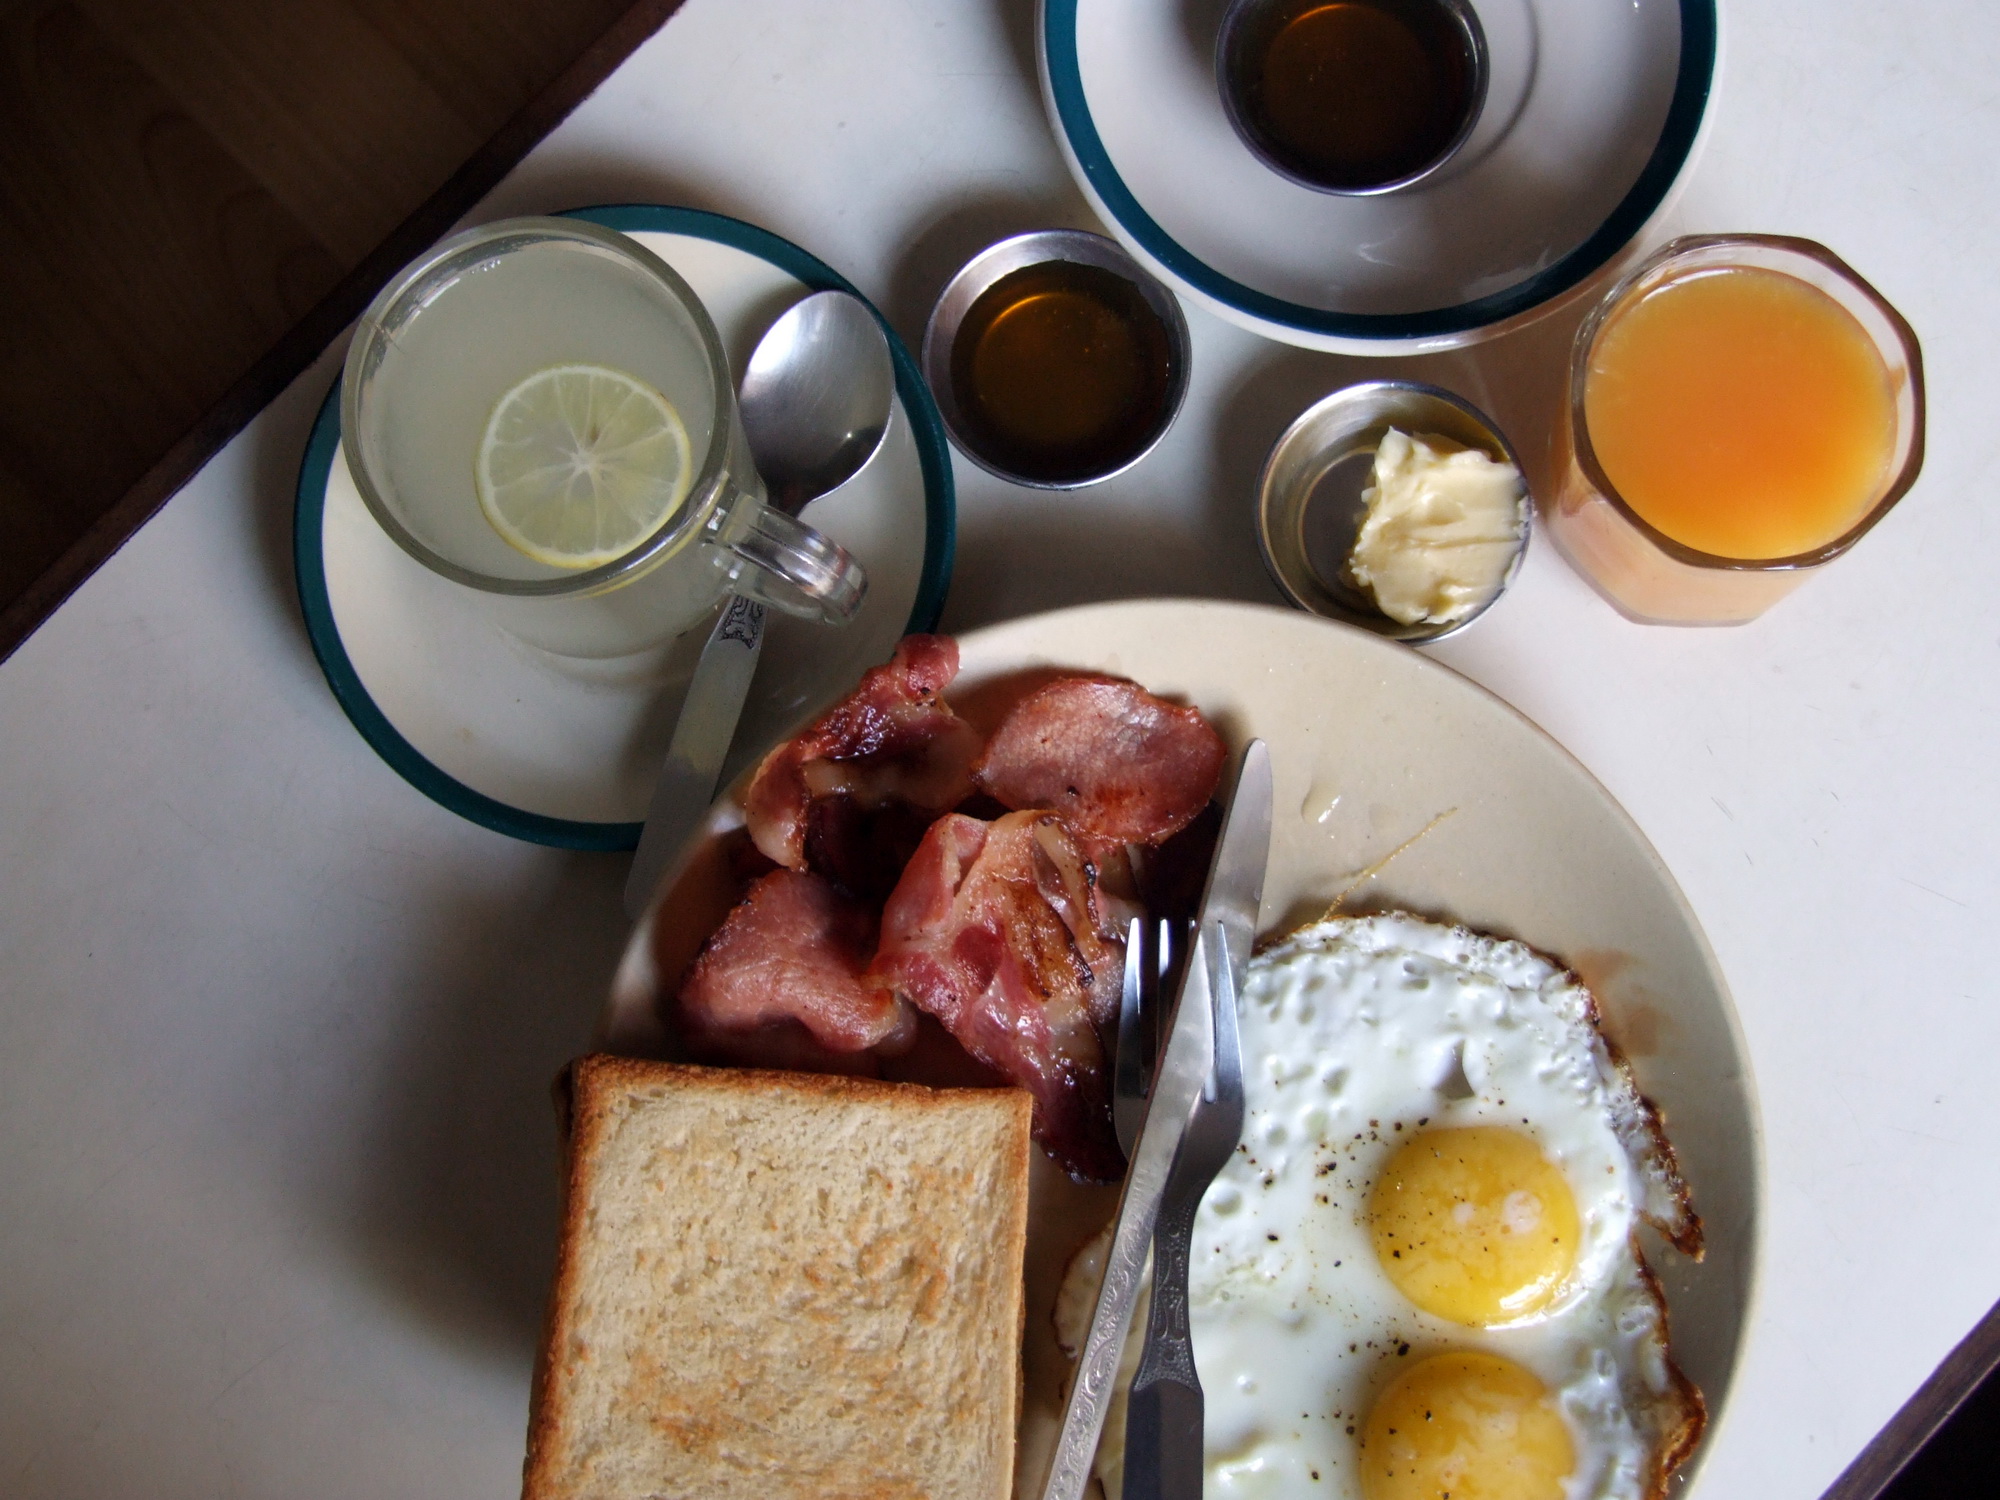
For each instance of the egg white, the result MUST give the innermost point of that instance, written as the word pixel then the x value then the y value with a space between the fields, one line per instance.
pixel 1358 1032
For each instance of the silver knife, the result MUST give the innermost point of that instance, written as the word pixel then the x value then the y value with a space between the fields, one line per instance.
pixel 707 724
pixel 1235 888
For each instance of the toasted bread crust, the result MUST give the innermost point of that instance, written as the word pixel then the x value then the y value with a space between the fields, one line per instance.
pixel 544 1400
pixel 716 1438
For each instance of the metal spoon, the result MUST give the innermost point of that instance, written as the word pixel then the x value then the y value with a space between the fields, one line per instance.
pixel 815 401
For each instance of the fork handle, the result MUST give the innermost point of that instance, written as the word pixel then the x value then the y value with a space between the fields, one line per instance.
pixel 1163 1422
pixel 1163 1442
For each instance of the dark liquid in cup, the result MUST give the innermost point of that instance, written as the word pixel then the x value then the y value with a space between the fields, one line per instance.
pixel 1352 95
pixel 1061 372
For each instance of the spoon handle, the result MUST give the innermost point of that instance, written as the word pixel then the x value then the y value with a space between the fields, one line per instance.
pixel 707 724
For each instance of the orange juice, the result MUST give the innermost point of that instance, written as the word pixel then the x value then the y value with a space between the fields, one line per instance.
pixel 1741 412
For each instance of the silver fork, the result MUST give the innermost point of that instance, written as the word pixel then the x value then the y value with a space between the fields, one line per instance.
pixel 1163 1423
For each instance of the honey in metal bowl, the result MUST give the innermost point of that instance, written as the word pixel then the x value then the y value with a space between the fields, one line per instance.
pixel 1061 373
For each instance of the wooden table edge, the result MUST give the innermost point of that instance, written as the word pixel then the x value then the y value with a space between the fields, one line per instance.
pixel 302 343
pixel 1890 1450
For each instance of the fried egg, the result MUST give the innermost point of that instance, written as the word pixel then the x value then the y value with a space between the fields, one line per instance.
pixel 1419 1275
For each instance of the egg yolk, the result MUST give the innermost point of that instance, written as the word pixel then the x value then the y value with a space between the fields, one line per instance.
pixel 1474 1225
pixel 1465 1426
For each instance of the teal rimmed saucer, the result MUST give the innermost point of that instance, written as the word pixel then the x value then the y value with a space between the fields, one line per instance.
pixel 1593 115
pixel 564 752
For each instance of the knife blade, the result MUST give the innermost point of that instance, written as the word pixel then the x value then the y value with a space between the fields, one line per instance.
pixel 1229 907
pixel 1235 888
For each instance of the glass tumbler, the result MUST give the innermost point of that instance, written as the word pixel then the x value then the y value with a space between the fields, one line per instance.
pixel 1645 573
pixel 470 322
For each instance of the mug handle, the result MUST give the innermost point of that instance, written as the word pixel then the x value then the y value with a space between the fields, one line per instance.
pixel 793 567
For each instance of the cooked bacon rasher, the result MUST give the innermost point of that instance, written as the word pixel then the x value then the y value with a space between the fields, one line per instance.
pixel 1120 765
pixel 995 930
pixel 780 983
pixel 850 797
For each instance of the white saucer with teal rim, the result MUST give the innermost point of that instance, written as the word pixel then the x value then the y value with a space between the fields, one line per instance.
pixel 565 752
pixel 1593 113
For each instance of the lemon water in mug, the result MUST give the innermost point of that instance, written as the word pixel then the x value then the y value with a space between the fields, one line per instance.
pixel 540 410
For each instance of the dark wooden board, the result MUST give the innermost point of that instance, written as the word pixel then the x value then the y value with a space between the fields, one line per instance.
pixel 196 196
pixel 1952 1386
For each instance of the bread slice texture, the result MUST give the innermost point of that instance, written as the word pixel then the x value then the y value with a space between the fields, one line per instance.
pixel 782 1284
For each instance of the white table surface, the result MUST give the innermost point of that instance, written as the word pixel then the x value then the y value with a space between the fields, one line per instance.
pixel 276 1192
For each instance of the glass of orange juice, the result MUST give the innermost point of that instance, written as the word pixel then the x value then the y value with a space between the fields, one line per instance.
pixel 1742 409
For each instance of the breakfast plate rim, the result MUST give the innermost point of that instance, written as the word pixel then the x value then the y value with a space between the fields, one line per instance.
pixel 1276 317
pixel 323 447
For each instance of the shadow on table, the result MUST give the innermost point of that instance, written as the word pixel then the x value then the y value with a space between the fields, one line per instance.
pixel 1036 551
pixel 1518 379
pixel 456 1210
pixel 1025 562
pixel 583 180
pixel 951 232
pixel 276 447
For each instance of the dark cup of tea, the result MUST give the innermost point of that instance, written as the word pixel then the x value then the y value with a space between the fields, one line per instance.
pixel 1352 96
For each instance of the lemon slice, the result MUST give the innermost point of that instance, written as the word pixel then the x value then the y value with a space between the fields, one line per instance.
pixel 580 463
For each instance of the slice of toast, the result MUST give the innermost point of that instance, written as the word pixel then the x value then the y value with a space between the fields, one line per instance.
pixel 781 1284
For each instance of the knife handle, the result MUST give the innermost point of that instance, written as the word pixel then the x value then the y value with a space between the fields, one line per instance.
pixel 702 735
pixel 1163 1421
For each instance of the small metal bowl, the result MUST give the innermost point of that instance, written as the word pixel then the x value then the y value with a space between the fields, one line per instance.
pixel 1248 22
pixel 1309 495
pixel 1017 254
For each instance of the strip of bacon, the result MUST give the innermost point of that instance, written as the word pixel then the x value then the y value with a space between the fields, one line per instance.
pixel 1120 765
pixel 994 930
pixel 852 795
pixel 779 984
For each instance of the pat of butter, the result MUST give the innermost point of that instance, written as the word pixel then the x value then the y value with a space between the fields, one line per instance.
pixel 1443 525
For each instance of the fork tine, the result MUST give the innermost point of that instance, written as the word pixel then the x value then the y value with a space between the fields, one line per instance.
pixel 1228 1078
pixel 1159 958
pixel 1134 968
pixel 1132 1067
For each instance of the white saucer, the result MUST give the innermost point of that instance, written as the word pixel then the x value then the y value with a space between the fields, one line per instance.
pixel 1593 112
pixel 565 752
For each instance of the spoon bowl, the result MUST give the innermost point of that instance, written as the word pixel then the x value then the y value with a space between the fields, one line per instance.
pixel 816 397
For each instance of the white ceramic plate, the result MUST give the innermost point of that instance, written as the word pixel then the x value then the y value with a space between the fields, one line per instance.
pixel 1593 112
pixel 1371 742
pixel 566 752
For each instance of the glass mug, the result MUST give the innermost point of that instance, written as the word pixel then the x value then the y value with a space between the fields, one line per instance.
pixel 1653 577
pixel 460 330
